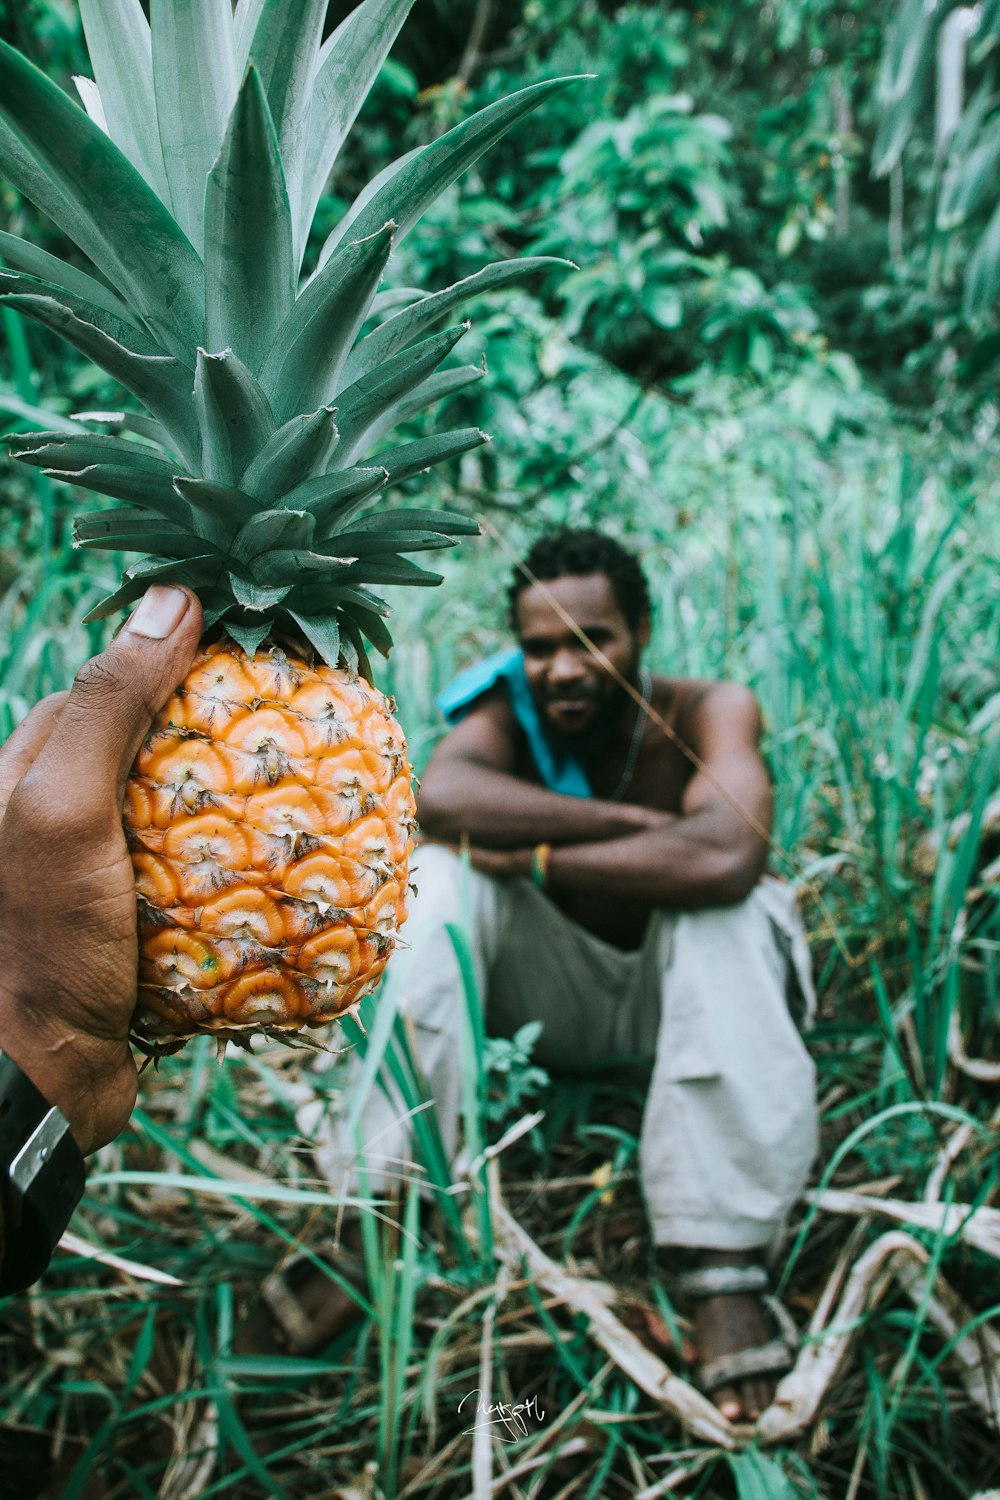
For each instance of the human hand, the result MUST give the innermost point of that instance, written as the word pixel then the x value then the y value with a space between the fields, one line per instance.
pixel 68 941
pixel 506 864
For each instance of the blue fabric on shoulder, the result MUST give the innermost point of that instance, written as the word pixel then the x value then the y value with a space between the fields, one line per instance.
pixel 560 773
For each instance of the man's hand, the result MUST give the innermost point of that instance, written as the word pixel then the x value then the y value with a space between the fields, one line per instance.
pixel 505 864
pixel 68 941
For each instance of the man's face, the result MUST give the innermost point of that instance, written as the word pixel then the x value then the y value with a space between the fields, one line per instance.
pixel 576 696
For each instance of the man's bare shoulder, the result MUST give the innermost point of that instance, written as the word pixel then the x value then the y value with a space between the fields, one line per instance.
pixel 488 731
pixel 710 706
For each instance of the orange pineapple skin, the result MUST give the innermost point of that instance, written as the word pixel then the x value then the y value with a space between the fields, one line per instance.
pixel 270 818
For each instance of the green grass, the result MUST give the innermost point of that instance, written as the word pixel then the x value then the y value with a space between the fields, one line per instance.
pixel 856 589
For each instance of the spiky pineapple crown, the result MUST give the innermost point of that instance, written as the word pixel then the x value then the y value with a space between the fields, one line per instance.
pixel 190 182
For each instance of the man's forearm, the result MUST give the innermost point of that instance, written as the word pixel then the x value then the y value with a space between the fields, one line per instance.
pixel 500 811
pixel 679 864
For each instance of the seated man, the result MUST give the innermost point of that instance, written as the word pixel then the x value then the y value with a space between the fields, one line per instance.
pixel 618 895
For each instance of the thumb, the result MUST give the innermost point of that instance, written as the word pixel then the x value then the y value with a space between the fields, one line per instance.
pixel 115 696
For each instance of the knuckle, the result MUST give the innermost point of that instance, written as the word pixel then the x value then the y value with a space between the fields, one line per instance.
pixel 100 678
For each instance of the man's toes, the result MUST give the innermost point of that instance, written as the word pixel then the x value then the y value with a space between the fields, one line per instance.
pixel 729 1401
pixel 756 1396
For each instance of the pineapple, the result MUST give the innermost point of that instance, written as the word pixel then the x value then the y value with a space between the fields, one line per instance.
pixel 270 811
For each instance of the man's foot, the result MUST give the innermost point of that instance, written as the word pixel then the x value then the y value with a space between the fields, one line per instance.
pixel 734 1331
pixel 302 1308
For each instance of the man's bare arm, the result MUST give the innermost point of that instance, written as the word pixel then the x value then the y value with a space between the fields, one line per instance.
pixel 469 789
pixel 710 854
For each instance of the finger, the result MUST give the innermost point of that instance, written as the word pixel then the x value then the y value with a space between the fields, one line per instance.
pixel 21 747
pixel 115 697
pixel 727 1399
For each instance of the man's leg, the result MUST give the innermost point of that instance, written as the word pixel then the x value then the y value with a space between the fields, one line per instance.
pixel 432 999
pixel 729 1131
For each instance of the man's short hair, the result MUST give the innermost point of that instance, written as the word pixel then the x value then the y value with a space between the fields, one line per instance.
pixel 571 553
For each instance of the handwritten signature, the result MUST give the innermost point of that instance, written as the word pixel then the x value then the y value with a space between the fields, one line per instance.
pixel 504 1419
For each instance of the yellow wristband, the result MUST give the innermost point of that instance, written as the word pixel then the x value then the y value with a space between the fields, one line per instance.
pixel 540 856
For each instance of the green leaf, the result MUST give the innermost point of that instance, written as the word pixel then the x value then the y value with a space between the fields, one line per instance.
pixel 164 541
pixel 161 383
pixel 194 572
pixel 448 521
pixel 130 421
pixel 138 488
pixel 760 1478
pixel 298 451
pixel 285 49
pixel 122 330
pixel 982 275
pixel 392 570
pixel 227 508
pixel 328 494
pixel 249 635
pixel 22 256
pixel 194 81
pixel 301 371
pixel 90 98
pixel 371 544
pixel 38 416
pixel 295 565
pixel 418 317
pixel 253 595
pixel 363 403
pixel 907 68
pixel 421 179
pixel 413 458
pixel 970 180
pixel 373 626
pixel 57 450
pixel 249 272
pixel 69 169
pixel 322 631
pixel 124 520
pixel 118 41
pixel 363 665
pixel 233 413
pixel 435 388
pixel 349 64
pixel 273 529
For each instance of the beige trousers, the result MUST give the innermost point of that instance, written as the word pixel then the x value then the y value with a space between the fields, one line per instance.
pixel 709 1003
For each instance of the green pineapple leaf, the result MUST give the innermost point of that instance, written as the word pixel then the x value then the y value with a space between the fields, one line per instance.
pixel 322 631
pixel 447 521
pixel 350 62
pixel 194 83
pixel 136 340
pixel 119 482
pixel 67 167
pixel 423 175
pixel 22 256
pixel 249 271
pixel 420 316
pixel 118 41
pixel 414 458
pixel 273 529
pixel 57 451
pixel 285 49
pixel 161 383
pixel 299 450
pixel 300 372
pixel 234 416
pixel 249 635
pixel 329 494
pixel 435 388
pixel 362 404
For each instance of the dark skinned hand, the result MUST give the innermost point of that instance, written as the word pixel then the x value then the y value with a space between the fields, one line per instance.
pixel 68 937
